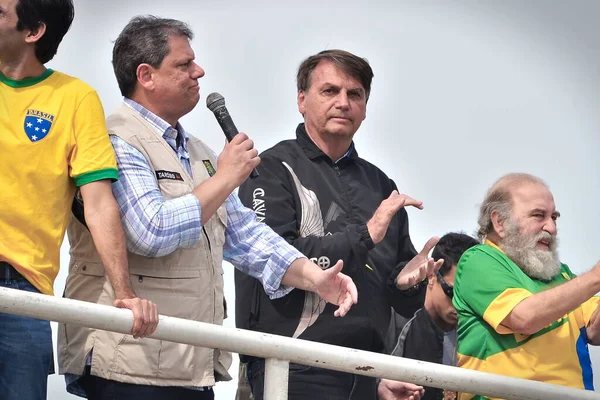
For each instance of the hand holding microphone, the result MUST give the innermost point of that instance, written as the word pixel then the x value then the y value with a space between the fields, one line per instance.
pixel 243 148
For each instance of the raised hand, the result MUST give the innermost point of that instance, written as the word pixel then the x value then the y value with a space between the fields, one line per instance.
pixel 420 267
pixel 238 159
pixel 380 221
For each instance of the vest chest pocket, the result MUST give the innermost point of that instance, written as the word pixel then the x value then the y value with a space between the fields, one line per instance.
pixel 172 189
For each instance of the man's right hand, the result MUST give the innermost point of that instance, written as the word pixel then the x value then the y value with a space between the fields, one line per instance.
pixel 380 221
pixel 238 159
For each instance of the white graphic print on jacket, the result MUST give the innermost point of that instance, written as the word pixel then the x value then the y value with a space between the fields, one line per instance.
pixel 310 225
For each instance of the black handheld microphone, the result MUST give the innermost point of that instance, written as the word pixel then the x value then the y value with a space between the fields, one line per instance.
pixel 216 103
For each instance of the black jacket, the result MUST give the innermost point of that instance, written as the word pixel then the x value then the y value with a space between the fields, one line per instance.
pixel 421 339
pixel 322 207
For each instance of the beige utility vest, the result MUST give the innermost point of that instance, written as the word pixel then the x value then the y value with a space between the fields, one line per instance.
pixel 187 283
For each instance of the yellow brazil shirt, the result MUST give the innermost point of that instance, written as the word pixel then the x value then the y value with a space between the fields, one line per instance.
pixel 53 138
pixel 487 287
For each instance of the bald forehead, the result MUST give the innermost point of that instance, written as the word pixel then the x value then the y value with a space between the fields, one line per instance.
pixel 511 182
pixel 533 197
pixel 529 190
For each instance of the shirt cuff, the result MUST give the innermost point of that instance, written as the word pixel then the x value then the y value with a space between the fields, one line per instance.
pixel 275 289
pixel 365 236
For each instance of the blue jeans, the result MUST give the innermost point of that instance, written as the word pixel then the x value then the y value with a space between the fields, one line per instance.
pixel 25 350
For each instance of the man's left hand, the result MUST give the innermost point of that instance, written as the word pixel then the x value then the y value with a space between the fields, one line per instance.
pixel 337 288
pixel 420 267
pixel 145 315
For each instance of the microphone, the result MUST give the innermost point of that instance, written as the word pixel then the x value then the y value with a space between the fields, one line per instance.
pixel 216 103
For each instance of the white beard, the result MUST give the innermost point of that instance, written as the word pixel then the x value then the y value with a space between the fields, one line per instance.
pixel 536 263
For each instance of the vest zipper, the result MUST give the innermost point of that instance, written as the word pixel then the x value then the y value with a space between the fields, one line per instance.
pixel 207 239
pixel 213 277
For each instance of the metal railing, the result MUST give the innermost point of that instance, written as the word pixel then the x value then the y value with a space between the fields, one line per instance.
pixel 279 351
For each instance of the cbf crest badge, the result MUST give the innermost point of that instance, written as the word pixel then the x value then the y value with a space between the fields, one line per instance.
pixel 37 124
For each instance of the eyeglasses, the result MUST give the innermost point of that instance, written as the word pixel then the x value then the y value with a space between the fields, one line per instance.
pixel 446 287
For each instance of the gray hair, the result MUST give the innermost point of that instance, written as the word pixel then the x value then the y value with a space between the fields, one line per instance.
pixel 144 40
pixel 499 199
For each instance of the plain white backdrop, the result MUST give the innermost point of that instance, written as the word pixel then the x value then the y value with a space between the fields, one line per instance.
pixel 464 91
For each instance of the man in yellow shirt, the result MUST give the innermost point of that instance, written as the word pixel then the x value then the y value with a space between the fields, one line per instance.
pixel 53 140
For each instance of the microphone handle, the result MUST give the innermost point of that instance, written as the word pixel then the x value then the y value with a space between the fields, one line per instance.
pixel 229 129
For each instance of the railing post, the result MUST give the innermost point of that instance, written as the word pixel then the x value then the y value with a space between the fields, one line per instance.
pixel 276 379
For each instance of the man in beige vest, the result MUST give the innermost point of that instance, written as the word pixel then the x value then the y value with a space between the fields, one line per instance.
pixel 181 220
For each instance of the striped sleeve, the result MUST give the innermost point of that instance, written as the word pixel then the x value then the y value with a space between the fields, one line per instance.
pixel 255 249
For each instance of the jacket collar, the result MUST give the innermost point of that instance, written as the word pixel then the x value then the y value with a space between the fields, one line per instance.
pixel 313 152
pixel 427 317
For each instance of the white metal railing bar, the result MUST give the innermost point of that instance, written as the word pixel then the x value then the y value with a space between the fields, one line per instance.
pixel 267 346
pixel 276 379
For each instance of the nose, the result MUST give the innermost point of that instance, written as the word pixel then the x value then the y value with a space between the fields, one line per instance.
pixel 550 226
pixel 342 100
pixel 198 72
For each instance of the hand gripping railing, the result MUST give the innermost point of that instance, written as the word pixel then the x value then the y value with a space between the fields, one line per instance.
pixel 279 351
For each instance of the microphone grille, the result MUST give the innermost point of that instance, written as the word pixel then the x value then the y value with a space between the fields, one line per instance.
pixel 214 101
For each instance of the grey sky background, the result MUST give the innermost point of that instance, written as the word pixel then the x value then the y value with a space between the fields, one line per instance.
pixel 464 92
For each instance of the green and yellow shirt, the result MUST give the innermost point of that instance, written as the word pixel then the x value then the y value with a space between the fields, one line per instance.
pixel 488 286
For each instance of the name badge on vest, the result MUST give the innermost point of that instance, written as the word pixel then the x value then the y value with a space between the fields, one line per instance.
pixel 209 167
pixel 174 176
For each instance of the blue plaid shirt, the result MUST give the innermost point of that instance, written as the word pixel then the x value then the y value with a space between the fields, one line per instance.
pixel 155 227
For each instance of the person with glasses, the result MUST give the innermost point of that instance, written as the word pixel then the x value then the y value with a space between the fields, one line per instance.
pixel 431 334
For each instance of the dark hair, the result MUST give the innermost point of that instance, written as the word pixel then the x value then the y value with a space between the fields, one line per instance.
pixel 355 66
pixel 451 247
pixel 57 15
pixel 144 40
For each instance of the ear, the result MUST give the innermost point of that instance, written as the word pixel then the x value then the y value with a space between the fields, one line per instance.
pixel 301 100
pixel 145 76
pixel 36 34
pixel 498 224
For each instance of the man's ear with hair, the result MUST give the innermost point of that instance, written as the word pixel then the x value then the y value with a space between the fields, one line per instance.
pixel 145 76
pixel 300 100
pixel 498 223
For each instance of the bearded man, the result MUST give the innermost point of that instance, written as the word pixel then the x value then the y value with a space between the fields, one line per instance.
pixel 521 312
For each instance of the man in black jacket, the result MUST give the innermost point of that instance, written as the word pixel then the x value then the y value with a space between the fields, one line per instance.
pixel 431 334
pixel 317 193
